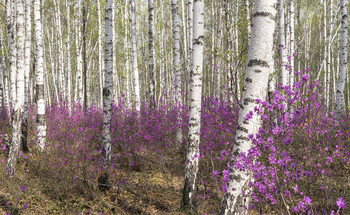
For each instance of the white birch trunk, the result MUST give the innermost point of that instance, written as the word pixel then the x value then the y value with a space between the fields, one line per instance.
pixel 10 22
pixel 127 53
pixel 27 58
pixel 107 89
pixel 19 106
pixel 177 66
pixel 193 154
pixel 79 72
pixel 249 26
pixel 39 71
pixel 254 87
pixel 100 55
pixel 4 72
pixel 135 70
pixel 151 55
pixel 339 101
pixel 291 37
pixel 282 46
pixel 114 41
pixel 69 71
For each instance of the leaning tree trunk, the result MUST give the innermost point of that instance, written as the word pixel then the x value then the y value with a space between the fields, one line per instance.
pixel 107 96
pixel 135 70
pixel 19 106
pixel 259 65
pixel 151 55
pixel 339 102
pixel 194 124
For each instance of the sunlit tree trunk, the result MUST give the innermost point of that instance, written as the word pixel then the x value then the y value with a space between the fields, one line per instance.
pixel 216 76
pixel 116 85
pixel 291 42
pixel 177 65
pixel 39 71
pixel 107 94
pixel 127 54
pixel 11 22
pixel 192 158
pixel 282 46
pixel 135 70
pixel 84 71
pixel 100 55
pixel 247 11
pixel 69 70
pixel 27 58
pixel 4 74
pixel 254 87
pixel 339 102
pixel 19 106
pixel 151 55
pixel 78 42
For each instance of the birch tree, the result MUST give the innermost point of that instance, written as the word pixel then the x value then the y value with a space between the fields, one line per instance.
pixel 254 87
pixel 193 154
pixel 10 23
pixel 4 76
pixel 68 73
pixel 177 65
pixel 282 46
pixel 19 106
pixel 27 58
pixel 151 55
pixel 100 61
pixel 135 70
pixel 107 95
pixel 339 102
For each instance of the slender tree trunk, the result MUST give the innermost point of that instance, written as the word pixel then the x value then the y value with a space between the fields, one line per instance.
pixel 249 26
pixel 135 70
pixel 177 66
pixel 127 53
pixel 19 106
pixel 339 102
pixel 39 71
pixel 282 46
pixel 100 61
pixel 151 55
pixel 10 22
pixel 69 71
pixel 84 91
pixel 216 85
pixel 115 72
pixel 193 154
pixel 291 37
pixel 79 72
pixel 27 58
pixel 5 83
pixel 107 95
pixel 254 87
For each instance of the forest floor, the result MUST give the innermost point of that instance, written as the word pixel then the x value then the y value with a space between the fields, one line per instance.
pixel 34 191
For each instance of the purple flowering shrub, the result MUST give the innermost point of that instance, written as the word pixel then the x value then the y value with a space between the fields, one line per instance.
pixel 300 161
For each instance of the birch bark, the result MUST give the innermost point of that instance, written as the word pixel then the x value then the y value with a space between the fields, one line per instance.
pixel 339 102
pixel 107 94
pixel 193 154
pixel 19 106
pixel 254 87
pixel 39 71
pixel 135 70
pixel 151 55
